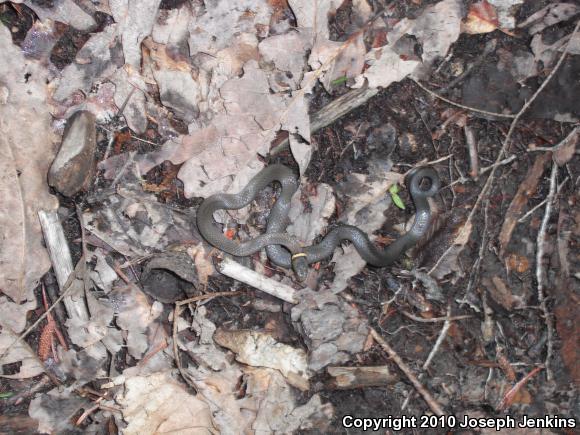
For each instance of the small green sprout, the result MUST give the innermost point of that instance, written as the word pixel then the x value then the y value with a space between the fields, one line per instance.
pixel 394 191
pixel 338 81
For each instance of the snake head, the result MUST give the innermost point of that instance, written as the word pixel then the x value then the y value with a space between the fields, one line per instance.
pixel 300 266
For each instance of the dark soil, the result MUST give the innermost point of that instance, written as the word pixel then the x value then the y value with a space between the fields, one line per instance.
pixel 404 124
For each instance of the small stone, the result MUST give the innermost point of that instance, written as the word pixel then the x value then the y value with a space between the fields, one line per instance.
pixel 74 166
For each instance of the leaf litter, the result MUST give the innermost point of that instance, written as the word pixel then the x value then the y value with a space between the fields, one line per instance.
pixel 236 78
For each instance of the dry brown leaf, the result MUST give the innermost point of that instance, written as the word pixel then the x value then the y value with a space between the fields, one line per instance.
pixel 481 18
pixel 526 189
pixel 565 150
pixel 135 315
pixel 518 263
pixel 25 155
pixel 450 263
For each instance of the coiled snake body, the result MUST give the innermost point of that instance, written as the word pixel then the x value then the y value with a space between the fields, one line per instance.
pixel 285 250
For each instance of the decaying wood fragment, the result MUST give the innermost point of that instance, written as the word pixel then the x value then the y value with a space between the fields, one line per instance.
pixel 235 270
pixel 361 377
pixel 62 263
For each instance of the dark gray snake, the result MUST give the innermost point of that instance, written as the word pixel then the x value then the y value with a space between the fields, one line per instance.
pixel 285 250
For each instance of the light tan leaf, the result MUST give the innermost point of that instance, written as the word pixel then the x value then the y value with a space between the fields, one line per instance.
pixel 13 315
pixel 158 404
pixel 386 67
pixel 135 20
pixel 506 10
pixel 25 155
pixel 18 352
pixel 214 28
pixel 314 14
pixel 436 29
pixel 338 59
pixel 262 350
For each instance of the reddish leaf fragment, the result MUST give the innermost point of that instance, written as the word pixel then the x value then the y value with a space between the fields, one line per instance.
pixel 482 18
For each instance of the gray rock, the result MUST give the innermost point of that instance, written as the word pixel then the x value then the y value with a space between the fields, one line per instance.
pixel 74 165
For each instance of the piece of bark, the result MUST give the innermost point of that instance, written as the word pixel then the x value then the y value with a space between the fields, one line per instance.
pixel 527 188
pixel 564 151
pixel 74 166
pixel 345 378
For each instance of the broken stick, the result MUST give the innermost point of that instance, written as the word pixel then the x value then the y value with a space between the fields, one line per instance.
pixel 241 273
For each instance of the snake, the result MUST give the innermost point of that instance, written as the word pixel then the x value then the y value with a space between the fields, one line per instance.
pixel 285 250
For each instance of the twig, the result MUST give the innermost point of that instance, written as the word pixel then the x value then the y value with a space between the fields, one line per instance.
pixel 208 296
pixel 507 141
pixel 435 319
pixel 474 275
pixel 541 273
pixel 472 151
pixel 441 337
pixel 453 103
pixel 435 407
pixel 241 273
pixel 509 396
pixel 501 163
pixel 435 349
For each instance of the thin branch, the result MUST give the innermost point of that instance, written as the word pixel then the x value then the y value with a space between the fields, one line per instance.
pixel 435 319
pixel 435 407
pixel 541 272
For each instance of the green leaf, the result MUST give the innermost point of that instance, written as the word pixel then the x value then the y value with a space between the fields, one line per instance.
pixel 394 191
pixel 6 395
pixel 338 81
